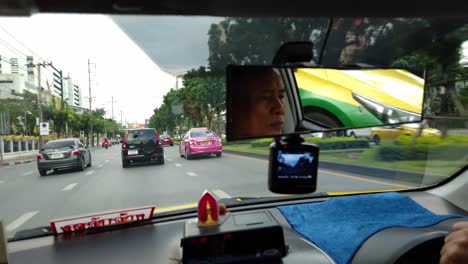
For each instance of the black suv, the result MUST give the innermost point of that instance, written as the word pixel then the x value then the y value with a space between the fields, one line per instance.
pixel 142 145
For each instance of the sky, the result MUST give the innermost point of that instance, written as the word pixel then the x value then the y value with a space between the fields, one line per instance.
pixel 136 75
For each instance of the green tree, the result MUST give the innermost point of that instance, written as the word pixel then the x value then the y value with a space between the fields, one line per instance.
pixel 256 40
pixel 60 119
pixel 20 106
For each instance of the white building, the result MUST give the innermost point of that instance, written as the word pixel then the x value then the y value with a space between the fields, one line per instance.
pixel 16 79
pixel 72 93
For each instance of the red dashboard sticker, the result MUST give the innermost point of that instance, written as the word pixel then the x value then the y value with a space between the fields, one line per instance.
pixel 81 223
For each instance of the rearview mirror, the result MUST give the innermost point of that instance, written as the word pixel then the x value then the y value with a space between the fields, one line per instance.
pixel 266 101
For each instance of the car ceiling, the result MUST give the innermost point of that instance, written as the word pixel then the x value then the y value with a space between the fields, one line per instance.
pixel 239 7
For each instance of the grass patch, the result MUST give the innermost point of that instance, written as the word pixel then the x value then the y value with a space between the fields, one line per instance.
pixel 367 158
pixel 248 148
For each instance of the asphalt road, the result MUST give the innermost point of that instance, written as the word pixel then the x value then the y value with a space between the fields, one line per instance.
pixel 28 200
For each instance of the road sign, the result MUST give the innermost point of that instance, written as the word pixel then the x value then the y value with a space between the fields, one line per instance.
pixel 177 108
pixel 81 133
pixel 44 129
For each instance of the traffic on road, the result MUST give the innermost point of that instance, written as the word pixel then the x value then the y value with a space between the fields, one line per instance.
pixel 106 185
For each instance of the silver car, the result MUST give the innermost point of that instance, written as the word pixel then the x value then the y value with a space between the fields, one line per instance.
pixel 63 154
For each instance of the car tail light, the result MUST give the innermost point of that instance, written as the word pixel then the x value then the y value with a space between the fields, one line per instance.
pixel 192 142
pixel 124 143
pixel 40 156
pixel 75 152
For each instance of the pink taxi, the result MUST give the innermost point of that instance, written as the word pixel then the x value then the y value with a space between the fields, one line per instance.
pixel 199 141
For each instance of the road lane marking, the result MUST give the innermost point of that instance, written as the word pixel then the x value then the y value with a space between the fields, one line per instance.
pixel 89 172
pixel 221 194
pixel 107 161
pixel 100 165
pixel 366 180
pixel 178 165
pixel 69 187
pixel 20 221
pixel 27 173
pixel 191 174
pixel 340 174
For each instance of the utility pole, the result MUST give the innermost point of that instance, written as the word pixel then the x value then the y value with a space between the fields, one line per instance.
pixel 90 100
pixel 39 100
pixel 121 118
pixel 113 106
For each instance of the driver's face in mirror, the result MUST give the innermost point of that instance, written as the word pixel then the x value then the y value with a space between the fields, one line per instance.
pixel 258 103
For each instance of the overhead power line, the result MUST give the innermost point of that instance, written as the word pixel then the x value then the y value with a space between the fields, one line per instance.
pixel 21 43
pixel 13 49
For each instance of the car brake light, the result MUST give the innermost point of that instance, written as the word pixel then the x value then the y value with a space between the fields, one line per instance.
pixel 124 143
pixel 40 156
pixel 75 152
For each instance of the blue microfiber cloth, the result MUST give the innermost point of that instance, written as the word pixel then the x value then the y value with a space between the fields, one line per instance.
pixel 340 225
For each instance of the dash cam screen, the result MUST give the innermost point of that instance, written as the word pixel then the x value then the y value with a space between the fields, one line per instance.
pixel 295 165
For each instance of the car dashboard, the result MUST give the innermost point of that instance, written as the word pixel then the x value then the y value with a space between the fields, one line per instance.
pixel 159 242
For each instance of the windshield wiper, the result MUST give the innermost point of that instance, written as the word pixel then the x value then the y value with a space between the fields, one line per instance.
pixel 31 233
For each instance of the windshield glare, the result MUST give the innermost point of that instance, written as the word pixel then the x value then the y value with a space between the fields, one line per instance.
pixel 151 75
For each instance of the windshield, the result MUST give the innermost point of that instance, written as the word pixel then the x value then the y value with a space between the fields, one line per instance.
pixel 59 144
pixel 140 135
pixel 61 77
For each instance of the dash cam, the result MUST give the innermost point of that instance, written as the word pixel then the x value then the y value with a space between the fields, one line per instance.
pixel 293 166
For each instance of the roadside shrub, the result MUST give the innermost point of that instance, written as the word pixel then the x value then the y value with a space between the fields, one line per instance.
pixel 339 143
pixel 235 142
pixel 432 140
pixel 264 142
pixel 389 151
